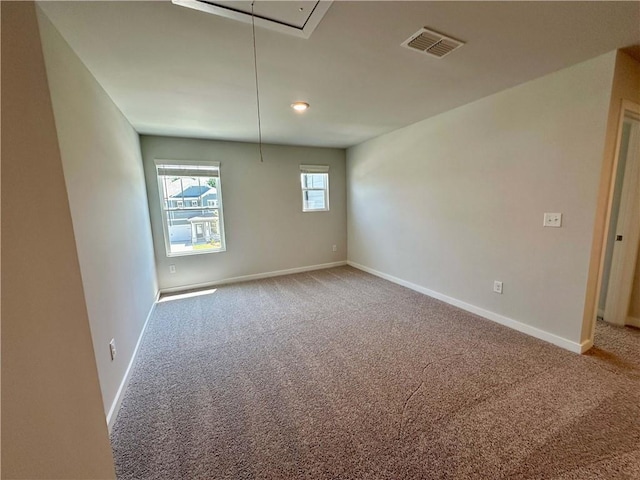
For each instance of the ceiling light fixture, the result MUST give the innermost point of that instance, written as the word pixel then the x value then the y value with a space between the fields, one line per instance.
pixel 300 106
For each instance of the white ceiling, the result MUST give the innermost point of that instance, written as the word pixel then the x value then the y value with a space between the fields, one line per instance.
pixel 179 72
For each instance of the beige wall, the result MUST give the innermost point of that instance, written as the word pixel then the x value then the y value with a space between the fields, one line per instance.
pixel 265 227
pixel 454 202
pixel 625 86
pixel 53 423
pixel 105 184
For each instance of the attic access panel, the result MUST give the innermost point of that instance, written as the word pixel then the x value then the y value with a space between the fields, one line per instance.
pixel 298 18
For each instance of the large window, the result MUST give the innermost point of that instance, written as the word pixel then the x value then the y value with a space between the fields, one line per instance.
pixel 191 200
pixel 315 188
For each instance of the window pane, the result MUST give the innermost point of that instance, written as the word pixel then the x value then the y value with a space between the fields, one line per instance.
pixel 194 230
pixel 192 213
pixel 314 200
pixel 314 180
pixel 319 180
pixel 315 191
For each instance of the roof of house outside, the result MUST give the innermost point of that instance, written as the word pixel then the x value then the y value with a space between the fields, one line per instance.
pixel 192 188
pixel 194 191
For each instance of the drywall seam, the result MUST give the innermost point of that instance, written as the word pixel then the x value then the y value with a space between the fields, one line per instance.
pixel 117 401
pixel 256 276
pixel 494 317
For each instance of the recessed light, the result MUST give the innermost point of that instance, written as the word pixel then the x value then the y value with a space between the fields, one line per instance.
pixel 300 106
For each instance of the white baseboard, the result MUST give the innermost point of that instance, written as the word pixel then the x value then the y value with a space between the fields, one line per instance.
pixel 495 317
pixel 255 276
pixel 634 322
pixel 600 313
pixel 585 345
pixel 115 406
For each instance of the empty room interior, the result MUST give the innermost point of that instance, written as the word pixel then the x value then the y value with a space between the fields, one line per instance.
pixel 320 240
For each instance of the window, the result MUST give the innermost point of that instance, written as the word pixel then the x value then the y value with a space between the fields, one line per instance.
pixel 315 188
pixel 188 228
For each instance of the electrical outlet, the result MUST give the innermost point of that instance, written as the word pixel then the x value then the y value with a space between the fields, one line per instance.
pixel 497 287
pixel 552 220
pixel 172 269
pixel 112 349
pixel 335 248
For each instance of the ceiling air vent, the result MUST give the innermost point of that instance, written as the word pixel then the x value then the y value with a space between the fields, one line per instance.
pixel 431 43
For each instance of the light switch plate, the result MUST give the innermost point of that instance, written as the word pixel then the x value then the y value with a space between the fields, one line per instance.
pixel 552 220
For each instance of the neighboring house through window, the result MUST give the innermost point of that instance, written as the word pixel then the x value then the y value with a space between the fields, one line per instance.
pixel 315 187
pixel 191 200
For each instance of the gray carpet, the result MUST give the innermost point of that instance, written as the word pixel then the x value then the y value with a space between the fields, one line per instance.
pixel 337 374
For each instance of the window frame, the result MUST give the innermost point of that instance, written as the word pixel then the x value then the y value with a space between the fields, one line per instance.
pixel 315 170
pixel 163 211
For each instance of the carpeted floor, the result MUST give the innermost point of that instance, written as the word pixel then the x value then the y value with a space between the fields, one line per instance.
pixel 337 374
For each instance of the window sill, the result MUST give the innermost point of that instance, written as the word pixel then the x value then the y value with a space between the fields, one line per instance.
pixel 187 254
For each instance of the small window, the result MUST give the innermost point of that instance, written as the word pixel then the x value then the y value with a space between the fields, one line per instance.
pixel 315 188
pixel 198 229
